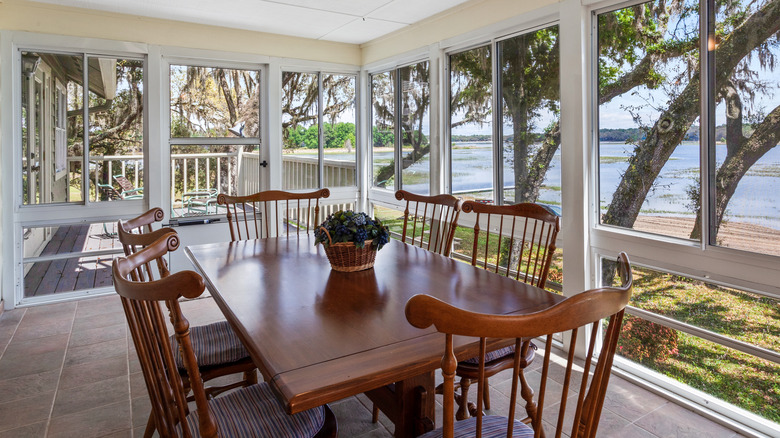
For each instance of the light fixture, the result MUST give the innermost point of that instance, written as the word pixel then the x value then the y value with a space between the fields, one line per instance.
pixel 30 63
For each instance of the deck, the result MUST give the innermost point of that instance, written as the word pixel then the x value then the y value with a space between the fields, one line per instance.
pixel 75 273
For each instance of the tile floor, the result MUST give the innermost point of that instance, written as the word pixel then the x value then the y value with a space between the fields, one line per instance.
pixel 68 370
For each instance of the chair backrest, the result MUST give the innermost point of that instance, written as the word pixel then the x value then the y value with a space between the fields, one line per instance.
pixel 429 221
pixel 588 308
pixel 141 303
pixel 124 183
pixel 272 213
pixel 144 221
pixel 137 233
pixel 517 240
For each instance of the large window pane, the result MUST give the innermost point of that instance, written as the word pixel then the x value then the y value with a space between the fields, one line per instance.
pixel 736 377
pixel 300 97
pixel 53 128
pixel 383 129
pixel 415 128
pixel 214 102
pixel 530 96
pixel 339 162
pixel 471 127
pixel 116 128
pixel 648 118
pixel 745 162
pixel 301 130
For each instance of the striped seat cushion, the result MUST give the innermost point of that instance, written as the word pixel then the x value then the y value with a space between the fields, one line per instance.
pixel 493 355
pixel 213 344
pixel 492 427
pixel 255 412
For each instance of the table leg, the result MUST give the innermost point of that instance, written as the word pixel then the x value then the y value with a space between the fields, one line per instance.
pixel 409 404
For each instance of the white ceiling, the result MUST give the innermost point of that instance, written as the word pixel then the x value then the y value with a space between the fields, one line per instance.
pixel 347 21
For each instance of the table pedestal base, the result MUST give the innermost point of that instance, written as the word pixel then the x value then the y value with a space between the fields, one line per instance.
pixel 409 404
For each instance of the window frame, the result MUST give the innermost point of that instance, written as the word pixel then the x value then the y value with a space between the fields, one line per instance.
pixel 732 267
pixel 320 73
pixel 209 62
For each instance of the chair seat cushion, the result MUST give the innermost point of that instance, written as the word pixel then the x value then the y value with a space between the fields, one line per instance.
pixel 213 344
pixel 493 355
pixel 492 427
pixel 254 412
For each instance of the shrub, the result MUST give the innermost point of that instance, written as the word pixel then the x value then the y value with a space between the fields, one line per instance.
pixel 644 341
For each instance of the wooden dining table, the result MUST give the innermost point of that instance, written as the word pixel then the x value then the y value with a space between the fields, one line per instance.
pixel 319 335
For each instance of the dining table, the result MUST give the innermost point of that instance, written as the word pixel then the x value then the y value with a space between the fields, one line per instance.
pixel 318 335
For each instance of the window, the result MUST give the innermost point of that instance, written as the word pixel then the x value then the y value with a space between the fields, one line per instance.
pixel 320 146
pixel 662 330
pixel 649 118
pixel 654 79
pixel 54 134
pixel 744 176
pixel 510 155
pixel 215 136
pixel 471 124
pixel 410 148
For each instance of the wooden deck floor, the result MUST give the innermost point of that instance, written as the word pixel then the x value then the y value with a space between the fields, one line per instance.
pixel 77 273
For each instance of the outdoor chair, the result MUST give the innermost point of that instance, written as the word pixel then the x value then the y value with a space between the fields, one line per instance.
pixel 250 411
pixel 582 383
pixel 272 213
pixel 430 221
pixel 217 348
pixel 127 190
pixel 517 241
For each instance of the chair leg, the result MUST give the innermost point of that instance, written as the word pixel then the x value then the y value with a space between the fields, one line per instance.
pixel 150 426
pixel 250 378
pixel 528 395
pixel 375 414
pixel 463 400
pixel 486 395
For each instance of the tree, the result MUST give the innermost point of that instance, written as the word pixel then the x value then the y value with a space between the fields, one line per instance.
pixel 414 105
pixel 746 32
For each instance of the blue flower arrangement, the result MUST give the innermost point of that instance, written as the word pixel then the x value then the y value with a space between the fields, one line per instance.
pixel 349 226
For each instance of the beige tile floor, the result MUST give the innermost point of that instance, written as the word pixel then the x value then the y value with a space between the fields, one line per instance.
pixel 68 370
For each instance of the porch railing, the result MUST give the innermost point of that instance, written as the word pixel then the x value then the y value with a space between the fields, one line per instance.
pixel 230 172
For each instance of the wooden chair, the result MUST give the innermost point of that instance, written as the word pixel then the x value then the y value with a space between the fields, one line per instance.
pixel 517 241
pixel 272 213
pixel 430 221
pixel 217 347
pixel 250 411
pixel 588 380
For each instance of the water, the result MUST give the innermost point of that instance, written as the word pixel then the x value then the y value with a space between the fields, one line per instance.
pixel 756 200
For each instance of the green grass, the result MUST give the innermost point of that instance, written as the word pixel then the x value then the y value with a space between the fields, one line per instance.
pixel 741 379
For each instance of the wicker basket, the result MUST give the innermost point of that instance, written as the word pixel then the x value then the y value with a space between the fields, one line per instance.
pixel 346 257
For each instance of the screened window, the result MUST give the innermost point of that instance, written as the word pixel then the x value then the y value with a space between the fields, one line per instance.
pixel 401 133
pixel 510 154
pixel 318 130
pixel 649 118
pixel 215 136
pixel 54 135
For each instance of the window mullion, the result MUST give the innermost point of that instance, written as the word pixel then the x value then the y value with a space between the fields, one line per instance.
pixel 707 125
pixel 498 162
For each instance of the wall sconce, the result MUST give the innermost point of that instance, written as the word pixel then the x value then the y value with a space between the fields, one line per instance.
pixel 30 63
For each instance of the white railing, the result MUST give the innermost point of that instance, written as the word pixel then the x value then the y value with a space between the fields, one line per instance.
pixel 213 172
pixel 301 172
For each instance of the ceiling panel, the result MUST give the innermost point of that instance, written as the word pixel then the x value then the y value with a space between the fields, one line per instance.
pixel 412 11
pixel 350 21
pixel 360 31
pixel 358 8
